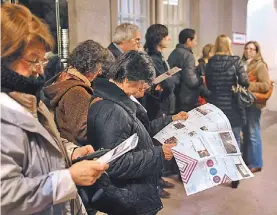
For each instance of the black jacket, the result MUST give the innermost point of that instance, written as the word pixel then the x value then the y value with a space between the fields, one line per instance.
pixel 220 77
pixel 114 50
pixel 110 122
pixel 188 90
pixel 154 126
pixel 159 103
pixel 201 70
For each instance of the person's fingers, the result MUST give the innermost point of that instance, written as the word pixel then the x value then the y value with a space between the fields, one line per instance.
pixel 170 145
pixel 89 149
pixel 98 166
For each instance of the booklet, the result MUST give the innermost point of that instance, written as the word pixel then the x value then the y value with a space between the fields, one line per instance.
pixel 166 75
pixel 121 149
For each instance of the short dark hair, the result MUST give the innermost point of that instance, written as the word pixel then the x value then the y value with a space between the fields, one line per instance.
pixel 185 35
pixel 134 66
pixel 86 55
pixel 154 35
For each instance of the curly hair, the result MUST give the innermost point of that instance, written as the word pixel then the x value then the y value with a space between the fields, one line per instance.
pixel 154 35
pixel 134 66
pixel 106 66
pixel 86 55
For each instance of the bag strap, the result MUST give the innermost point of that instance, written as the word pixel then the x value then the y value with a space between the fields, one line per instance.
pixel 93 100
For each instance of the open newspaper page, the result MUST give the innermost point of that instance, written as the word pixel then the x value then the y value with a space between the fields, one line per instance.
pixel 207 153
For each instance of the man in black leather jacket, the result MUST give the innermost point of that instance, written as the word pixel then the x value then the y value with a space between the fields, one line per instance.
pixel 187 90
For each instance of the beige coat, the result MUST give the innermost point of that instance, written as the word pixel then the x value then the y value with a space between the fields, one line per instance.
pixel 258 71
pixel 33 175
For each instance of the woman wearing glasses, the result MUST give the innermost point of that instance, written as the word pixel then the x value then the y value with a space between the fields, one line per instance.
pixel 259 83
pixel 36 176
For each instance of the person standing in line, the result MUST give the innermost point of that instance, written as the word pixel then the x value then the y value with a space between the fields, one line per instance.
pixel 159 102
pixel 207 53
pixel 189 82
pixel 259 84
pixel 111 120
pixel 70 92
pixel 36 172
pixel 126 37
pixel 221 73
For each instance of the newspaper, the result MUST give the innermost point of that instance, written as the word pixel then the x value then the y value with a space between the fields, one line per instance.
pixel 166 75
pixel 121 149
pixel 207 153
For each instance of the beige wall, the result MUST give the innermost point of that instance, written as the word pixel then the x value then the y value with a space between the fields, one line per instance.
pixel 262 27
pixel 211 18
pixel 89 19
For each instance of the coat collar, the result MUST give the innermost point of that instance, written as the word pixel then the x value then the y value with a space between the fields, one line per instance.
pixel 115 51
pixel 78 75
pixel 107 90
pixel 183 46
pixel 21 112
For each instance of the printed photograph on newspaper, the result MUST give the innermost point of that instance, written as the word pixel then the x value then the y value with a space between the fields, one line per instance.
pixel 207 153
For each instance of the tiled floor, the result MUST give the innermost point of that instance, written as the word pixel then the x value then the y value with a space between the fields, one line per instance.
pixel 255 196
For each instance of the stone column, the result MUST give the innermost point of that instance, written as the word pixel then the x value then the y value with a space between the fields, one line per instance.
pixel 89 20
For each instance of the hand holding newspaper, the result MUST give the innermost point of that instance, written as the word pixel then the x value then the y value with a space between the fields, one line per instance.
pixel 121 149
pixel 207 153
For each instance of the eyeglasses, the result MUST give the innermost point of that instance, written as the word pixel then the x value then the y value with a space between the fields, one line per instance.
pixel 250 49
pixel 36 64
pixel 41 63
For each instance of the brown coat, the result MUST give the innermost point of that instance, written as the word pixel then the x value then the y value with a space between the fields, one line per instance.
pixel 70 96
pixel 260 71
pixel 259 78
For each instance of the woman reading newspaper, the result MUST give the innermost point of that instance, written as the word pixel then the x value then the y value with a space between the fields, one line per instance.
pixel 111 120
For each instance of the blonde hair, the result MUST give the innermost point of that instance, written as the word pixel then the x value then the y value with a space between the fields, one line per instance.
pixel 223 45
pixel 19 30
pixel 124 31
pixel 207 50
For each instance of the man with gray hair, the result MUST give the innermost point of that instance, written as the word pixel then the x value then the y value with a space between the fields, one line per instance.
pixel 126 37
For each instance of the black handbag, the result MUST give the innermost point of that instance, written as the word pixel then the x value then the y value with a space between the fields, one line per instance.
pixel 244 97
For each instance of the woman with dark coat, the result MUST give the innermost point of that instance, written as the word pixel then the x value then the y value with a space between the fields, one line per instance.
pixel 161 100
pixel 221 73
pixel 207 53
pixel 111 120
